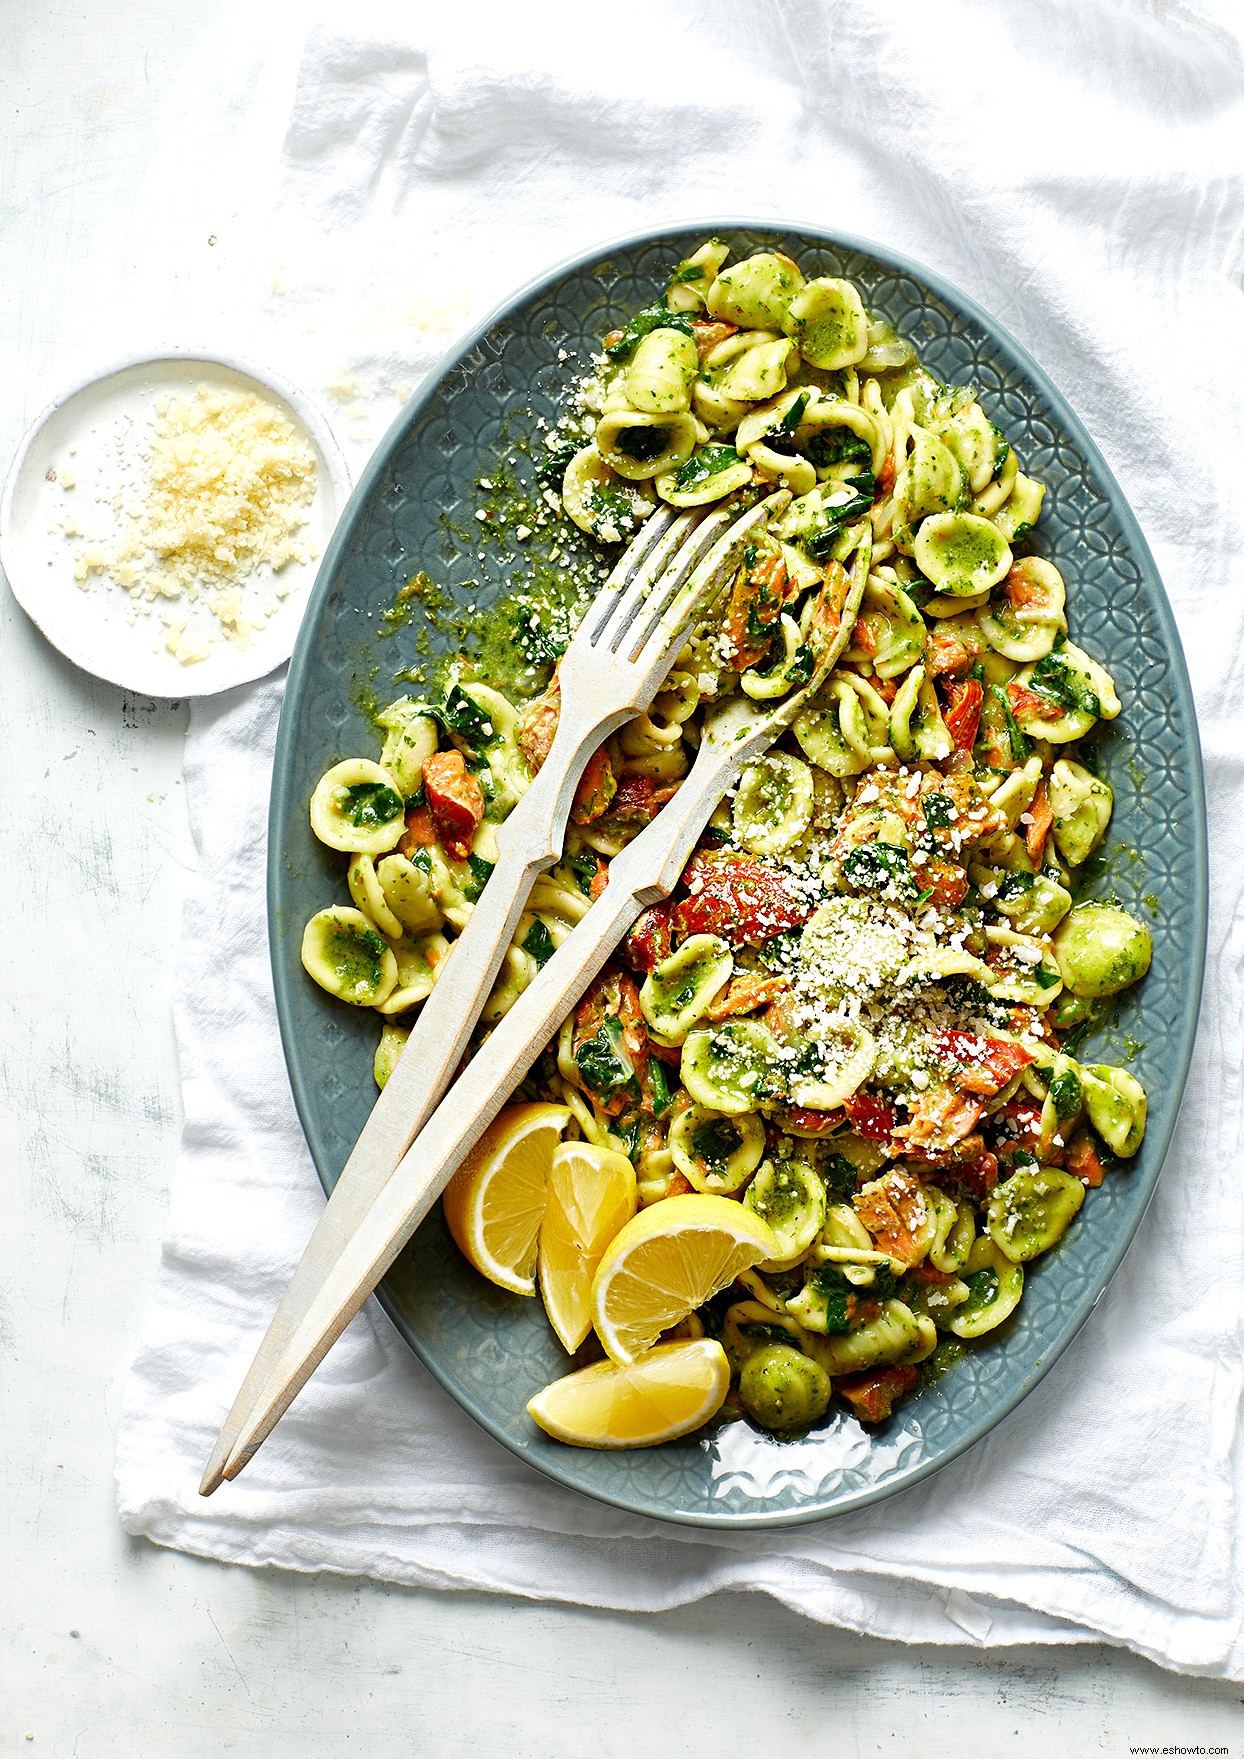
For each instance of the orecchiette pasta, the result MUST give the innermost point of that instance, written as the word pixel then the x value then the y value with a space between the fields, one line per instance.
pixel 358 806
pixel 827 319
pixel 860 1012
pixel 682 988
pixel 755 294
pixel 1082 804
pixel 714 1151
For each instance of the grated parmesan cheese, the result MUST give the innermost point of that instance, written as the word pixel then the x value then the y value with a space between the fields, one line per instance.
pixel 222 487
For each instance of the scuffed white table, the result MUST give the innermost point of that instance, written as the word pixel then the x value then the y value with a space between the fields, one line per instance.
pixel 110 1647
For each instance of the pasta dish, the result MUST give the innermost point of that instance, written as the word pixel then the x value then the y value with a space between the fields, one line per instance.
pixel 861 1014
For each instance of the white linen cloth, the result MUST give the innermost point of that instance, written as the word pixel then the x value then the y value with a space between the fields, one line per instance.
pixel 1075 168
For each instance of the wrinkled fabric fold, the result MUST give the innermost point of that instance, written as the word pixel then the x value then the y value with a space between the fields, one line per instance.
pixel 1076 171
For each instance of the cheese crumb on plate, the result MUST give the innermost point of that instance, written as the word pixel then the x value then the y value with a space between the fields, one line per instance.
pixel 162 524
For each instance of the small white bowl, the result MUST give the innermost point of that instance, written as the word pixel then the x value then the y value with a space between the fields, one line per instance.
pixel 96 627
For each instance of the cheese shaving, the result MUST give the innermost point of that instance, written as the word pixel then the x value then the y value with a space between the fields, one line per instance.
pixel 222 488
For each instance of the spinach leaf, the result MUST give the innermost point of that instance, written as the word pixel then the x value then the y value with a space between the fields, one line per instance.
pixel 1014 885
pixel 458 714
pixel 629 1134
pixel 801 667
pixel 653 317
pixel 480 870
pixel 791 419
pixel 966 996
pixel 836 446
pixel 552 467
pixel 643 444
pixel 836 1292
pixel 983 1287
pixel 1067 1092
pixel 1001 448
pixel 780 951
pixel 875 867
pixel 604 1068
pixel 701 465
pixel 781 439
pixel 1020 746
pixel 535 640
pixel 838 1313
pixel 824 534
pixel 659 1087
pixel 584 867
pixel 1053 677
pixel 883 1284
pixel 539 943
pixel 840 1176
pixel 939 811
pixel 715 1141
pixel 368 805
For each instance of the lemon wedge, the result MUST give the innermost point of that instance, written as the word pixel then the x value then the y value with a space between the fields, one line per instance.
pixel 664 1394
pixel 495 1201
pixel 591 1196
pixel 666 1262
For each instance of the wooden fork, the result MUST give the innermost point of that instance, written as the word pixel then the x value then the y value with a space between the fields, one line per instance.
pixel 615 664
pixel 735 731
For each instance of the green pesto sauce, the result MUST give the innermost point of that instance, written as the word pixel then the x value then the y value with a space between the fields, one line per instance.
pixel 715 1141
pixel 367 704
pixel 355 955
pixel 693 976
pixel 783 1199
pixel 770 801
pixel 949 1351
pixel 829 328
pixel 417 601
pixel 1106 865
pixel 1109 1034
pixel 521 577
pixel 967 551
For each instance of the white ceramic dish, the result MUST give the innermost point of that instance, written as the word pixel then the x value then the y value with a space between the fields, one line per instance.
pixel 97 628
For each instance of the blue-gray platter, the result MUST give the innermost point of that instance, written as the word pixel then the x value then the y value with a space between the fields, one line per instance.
pixel 492 1350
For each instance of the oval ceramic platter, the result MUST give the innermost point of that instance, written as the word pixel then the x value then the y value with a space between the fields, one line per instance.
pixel 492 1350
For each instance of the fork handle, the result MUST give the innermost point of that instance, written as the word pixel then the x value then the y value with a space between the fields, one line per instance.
pixel 366 1242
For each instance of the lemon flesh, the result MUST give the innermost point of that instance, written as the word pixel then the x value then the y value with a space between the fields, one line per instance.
pixel 667 1262
pixel 495 1201
pixel 669 1391
pixel 590 1198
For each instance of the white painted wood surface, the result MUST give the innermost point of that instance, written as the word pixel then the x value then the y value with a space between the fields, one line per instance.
pixel 109 1646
